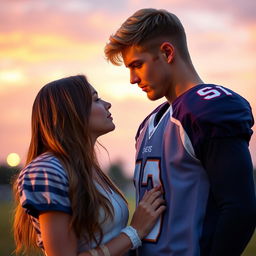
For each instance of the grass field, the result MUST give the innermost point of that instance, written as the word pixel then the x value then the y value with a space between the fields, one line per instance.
pixel 7 245
pixel 6 241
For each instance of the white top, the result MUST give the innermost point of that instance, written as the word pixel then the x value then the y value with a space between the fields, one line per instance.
pixel 44 185
pixel 111 228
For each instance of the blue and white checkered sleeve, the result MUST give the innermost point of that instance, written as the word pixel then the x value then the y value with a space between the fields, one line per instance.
pixel 43 186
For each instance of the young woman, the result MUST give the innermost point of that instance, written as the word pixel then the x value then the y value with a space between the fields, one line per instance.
pixel 66 205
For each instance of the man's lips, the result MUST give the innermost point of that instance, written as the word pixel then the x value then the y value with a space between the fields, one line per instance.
pixel 144 88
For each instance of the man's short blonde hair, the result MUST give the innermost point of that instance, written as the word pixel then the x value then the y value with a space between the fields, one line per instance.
pixel 144 26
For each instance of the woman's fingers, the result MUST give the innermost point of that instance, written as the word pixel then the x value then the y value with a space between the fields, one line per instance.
pixel 157 203
pixel 151 195
pixel 151 206
pixel 160 210
pixel 152 199
pixel 146 215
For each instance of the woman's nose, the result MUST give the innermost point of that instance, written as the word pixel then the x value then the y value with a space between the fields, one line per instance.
pixel 107 105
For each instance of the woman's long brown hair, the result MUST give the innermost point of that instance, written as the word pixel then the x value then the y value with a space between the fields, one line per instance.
pixel 60 118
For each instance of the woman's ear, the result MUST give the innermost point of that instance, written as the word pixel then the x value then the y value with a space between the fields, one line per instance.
pixel 167 50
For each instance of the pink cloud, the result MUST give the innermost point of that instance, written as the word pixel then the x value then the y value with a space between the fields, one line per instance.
pixel 241 11
pixel 48 38
pixel 76 20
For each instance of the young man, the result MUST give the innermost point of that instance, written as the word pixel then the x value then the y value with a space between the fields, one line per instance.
pixel 195 144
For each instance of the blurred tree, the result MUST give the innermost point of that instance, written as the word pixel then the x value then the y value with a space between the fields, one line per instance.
pixel 7 174
pixel 117 174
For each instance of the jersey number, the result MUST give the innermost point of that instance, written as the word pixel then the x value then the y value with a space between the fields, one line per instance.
pixel 151 171
pixel 210 92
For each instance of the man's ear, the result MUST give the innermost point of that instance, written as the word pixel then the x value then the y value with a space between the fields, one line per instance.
pixel 167 50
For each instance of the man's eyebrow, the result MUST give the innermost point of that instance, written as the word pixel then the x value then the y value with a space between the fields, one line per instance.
pixel 132 63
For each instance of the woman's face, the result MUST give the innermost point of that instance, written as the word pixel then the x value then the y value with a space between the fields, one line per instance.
pixel 100 121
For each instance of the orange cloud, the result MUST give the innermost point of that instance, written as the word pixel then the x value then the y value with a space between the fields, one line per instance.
pixel 44 40
pixel 41 47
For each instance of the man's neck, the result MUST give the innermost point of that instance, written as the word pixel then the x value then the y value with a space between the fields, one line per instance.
pixel 185 79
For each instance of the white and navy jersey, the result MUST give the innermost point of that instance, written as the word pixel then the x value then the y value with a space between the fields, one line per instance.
pixel 44 186
pixel 170 147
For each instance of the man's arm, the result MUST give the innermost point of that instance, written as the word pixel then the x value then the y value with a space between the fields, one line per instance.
pixel 229 167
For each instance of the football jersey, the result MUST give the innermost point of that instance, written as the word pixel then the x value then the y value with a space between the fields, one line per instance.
pixel 168 150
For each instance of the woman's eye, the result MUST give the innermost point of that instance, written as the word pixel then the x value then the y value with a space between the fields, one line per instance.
pixel 98 99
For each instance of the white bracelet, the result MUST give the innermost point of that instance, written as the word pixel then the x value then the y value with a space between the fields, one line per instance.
pixel 133 235
pixel 105 250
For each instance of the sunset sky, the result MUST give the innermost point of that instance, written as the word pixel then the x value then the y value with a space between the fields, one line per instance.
pixel 43 40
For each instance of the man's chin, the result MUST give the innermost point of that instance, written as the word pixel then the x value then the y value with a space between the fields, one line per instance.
pixel 153 97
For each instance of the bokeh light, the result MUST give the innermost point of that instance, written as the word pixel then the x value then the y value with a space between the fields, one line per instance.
pixel 13 159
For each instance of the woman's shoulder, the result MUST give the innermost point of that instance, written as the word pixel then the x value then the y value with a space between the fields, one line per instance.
pixel 46 165
pixel 43 186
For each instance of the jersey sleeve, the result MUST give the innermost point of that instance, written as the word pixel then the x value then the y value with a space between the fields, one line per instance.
pixel 43 186
pixel 211 111
pixel 229 166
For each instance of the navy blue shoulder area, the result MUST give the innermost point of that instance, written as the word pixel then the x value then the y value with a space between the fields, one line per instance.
pixel 159 108
pixel 43 186
pixel 208 110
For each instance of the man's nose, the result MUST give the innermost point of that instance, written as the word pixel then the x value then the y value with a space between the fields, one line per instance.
pixel 134 79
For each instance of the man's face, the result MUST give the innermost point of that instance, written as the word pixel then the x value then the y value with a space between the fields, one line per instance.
pixel 150 71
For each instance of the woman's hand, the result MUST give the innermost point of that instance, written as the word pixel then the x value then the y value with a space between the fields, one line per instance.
pixel 148 210
pixel 59 239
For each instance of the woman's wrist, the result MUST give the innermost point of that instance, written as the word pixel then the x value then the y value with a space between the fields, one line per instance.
pixel 132 233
